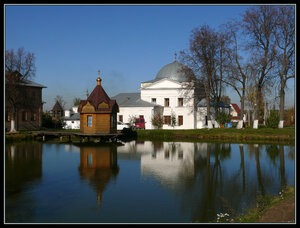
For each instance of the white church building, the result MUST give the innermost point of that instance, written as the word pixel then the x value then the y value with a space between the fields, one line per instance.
pixel 169 94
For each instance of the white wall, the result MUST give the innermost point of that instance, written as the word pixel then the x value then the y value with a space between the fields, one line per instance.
pixel 136 111
pixel 70 125
pixel 173 91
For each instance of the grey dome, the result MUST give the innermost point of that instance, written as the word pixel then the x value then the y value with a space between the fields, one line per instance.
pixel 173 71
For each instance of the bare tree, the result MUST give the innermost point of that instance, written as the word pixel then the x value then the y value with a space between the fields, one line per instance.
pixel 76 101
pixel 222 67
pixel 259 24
pixel 239 70
pixel 201 58
pixel 19 67
pixel 285 43
pixel 225 99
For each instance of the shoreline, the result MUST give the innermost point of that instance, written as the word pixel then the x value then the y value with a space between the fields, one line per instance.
pixel 228 135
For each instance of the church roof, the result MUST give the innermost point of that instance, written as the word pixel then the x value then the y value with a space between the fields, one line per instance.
pixel 131 100
pixel 174 71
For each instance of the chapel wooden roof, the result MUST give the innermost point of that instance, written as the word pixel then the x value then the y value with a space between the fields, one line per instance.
pixel 97 97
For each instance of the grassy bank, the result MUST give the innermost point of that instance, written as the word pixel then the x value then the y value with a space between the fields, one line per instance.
pixel 286 135
pixel 25 135
pixel 18 137
pixel 261 135
pixel 273 205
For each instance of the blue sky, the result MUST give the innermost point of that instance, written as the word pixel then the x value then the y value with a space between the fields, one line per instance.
pixel 128 43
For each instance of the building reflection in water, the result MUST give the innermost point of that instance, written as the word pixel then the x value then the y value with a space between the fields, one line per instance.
pixel 23 165
pixel 169 161
pixel 98 165
pixel 23 170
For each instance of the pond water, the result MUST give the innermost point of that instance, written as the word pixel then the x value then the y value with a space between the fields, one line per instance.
pixel 140 182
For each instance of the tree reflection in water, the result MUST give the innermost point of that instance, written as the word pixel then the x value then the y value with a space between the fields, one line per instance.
pixel 217 183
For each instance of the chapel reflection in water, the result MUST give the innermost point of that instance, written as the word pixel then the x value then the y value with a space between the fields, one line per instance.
pixel 98 165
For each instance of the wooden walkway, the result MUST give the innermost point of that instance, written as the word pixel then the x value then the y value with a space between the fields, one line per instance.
pixel 101 137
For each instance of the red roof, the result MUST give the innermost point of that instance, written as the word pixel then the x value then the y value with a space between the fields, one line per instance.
pixel 97 97
pixel 236 108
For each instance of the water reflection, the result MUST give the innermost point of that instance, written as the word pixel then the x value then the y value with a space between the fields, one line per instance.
pixel 23 170
pixel 213 178
pixel 192 182
pixel 98 164
pixel 23 166
pixel 169 162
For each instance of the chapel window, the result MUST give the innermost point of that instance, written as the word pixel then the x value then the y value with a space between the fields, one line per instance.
pixel 89 121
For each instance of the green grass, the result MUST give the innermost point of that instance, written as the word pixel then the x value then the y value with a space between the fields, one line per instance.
pixel 260 135
pixel 227 134
pixel 18 137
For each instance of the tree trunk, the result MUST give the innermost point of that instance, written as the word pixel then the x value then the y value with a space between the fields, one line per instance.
pixel 258 170
pixel 282 168
pixel 12 122
pixel 209 124
pixel 257 106
pixel 243 166
pixel 281 106
pixel 242 108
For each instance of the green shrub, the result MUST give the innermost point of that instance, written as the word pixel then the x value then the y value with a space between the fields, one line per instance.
pixel 223 117
pixel 47 122
pixel 273 119
pixel 157 121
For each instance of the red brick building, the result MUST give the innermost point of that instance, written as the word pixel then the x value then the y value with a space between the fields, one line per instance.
pixel 26 98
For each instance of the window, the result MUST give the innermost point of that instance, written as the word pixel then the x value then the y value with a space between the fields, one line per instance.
pixel 167 120
pixel 33 116
pixel 121 118
pixel 89 121
pixel 141 116
pixel 180 120
pixel 33 95
pixel 180 102
pixel 166 102
pixel 153 100
pixel 24 116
